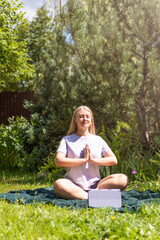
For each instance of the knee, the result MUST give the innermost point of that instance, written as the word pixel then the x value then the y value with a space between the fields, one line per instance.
pixel 58 185
pixel 123 180
pixel 62 185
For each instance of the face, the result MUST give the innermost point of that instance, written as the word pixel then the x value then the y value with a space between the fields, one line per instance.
pixel 83 119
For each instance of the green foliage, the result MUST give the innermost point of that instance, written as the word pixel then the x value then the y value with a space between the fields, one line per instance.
pixel 27 145
pixel 15 70
pixel 101 54
pixel 54 172
pixel 9 149
pixel 105 171
pixel 42 137
pixel 11 143
pixel 35 147
pixel 126 143
pixel 156 159
pixel 141 19
pixel 23 144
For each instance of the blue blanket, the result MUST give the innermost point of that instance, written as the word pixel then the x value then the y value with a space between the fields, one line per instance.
pixel 131 200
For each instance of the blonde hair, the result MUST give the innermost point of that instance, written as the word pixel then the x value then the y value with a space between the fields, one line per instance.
pixel 73 125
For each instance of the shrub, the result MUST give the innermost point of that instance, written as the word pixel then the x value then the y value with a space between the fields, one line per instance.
pixel 127 145
pixel 54 172
pixel 11 142
pixel 35 144
pixel 23 144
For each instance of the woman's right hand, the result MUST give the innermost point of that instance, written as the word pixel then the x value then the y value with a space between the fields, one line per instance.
pixel 86 152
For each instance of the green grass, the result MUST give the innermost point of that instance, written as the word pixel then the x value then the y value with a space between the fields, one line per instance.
pixel 40 221
pixel 15 180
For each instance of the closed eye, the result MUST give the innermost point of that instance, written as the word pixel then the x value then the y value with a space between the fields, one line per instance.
pixel 87 116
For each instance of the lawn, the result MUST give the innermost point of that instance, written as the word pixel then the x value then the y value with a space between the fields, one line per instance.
pixel 40 221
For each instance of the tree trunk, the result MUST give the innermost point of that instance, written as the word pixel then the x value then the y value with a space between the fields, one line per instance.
pixel 141 108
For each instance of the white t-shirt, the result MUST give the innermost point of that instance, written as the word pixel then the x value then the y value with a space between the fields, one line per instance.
pixel 73 146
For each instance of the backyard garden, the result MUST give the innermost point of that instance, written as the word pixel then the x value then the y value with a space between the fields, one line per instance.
pixel 102 54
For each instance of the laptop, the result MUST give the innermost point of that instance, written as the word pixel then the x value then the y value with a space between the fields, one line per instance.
pixel 104 198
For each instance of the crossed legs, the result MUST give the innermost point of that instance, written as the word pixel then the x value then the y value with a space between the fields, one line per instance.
pixel 114 181
pixel 66 189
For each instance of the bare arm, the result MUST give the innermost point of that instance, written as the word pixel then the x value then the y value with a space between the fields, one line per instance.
pixel 63 161
pixel 109 158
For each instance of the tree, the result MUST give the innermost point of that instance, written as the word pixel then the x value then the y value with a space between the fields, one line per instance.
pixel 116 44
pixel 56 5
pixel 101 53
pixel 141 21
pixel 15 69
pixel 75 74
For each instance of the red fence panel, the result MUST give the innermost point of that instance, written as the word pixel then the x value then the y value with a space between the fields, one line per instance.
pixel 11 104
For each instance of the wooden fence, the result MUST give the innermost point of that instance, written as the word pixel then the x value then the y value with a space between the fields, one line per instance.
pixel 11 104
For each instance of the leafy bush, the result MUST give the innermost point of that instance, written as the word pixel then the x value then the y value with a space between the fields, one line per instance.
pixel 27 144
pixel 54 172
pixel 11 142
pixel 32 146
pixel 34 142
pixel 23 144
pixel 127 145
pixel 42 140
pixel 156 159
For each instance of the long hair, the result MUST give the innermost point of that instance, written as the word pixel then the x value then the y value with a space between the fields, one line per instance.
pixel 73 125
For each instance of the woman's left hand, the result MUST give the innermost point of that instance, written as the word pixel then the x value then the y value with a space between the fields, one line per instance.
pixel 89 154
pixel 109 158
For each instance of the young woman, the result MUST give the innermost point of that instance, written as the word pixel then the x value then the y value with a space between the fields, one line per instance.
pixel 82 152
